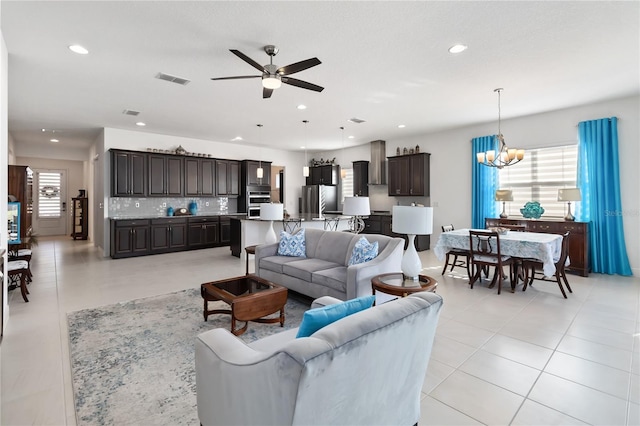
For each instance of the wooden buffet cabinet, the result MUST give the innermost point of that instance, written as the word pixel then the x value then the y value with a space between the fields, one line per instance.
pixel 578 238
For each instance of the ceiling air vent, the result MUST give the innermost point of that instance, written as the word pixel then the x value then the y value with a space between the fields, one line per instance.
pixel 356 120
pixel 130 112
pixel 173 78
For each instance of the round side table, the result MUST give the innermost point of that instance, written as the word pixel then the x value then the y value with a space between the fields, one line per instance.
pixel 394 284
pixel 249 250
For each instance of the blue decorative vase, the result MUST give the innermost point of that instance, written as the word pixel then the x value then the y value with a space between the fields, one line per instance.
pixel 193 208
pixel 170 211
pixel 532 210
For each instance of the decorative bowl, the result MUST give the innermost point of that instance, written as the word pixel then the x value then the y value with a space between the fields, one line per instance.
pixel 532 210
pixel 499 230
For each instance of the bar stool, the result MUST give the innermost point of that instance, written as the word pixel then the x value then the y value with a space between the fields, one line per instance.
pixel 249 250
pixel 19 270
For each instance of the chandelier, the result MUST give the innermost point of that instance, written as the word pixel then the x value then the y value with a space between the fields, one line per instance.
pixel 505 156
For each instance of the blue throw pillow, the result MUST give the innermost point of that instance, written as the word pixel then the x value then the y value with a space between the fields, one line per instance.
pixel 292 245
pixel 363 251
pixel 314 319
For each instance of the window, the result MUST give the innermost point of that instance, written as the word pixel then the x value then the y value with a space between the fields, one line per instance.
pixel 347 184
pixel 49 202
pixel 538 178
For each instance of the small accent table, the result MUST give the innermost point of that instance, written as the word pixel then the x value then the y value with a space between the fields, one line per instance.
pixel 250 297
pixel 394 284
pixel 249 250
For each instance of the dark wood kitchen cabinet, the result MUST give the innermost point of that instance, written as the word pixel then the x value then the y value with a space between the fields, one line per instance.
pixel 128 174
pixel 409 175
pixel 250 173
pixel 129 237
pixel 327 174
pixel 203 231
pixel 200 176
pixel 225 230
pixel 168 234
pixel 227 178
pixel 361 178
pixel 166 176
pixel 382 224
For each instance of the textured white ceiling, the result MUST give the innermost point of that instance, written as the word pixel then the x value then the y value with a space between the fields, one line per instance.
pixel 384 62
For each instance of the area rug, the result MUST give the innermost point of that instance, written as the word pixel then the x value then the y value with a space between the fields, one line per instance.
pixel 132 363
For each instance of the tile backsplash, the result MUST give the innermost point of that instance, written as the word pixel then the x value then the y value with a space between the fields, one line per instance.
pixel 123 207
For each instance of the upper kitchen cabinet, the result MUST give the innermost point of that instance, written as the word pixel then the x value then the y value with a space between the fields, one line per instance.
pixel 128 174
pixel 409 175
pixel 166 176
pixel 250 173
pixel 361 178
pixel 200 176
pixel 326 174
pixel 227 178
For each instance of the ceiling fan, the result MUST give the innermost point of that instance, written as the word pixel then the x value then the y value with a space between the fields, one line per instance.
pixel 272 75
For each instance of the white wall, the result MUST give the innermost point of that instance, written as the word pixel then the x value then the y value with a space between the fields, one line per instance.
pixel 4 162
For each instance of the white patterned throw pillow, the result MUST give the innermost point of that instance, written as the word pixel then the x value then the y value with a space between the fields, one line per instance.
pixel 363 251
pixel 292 245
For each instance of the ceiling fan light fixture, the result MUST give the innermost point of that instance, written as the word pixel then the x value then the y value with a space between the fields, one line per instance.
pixel 271 81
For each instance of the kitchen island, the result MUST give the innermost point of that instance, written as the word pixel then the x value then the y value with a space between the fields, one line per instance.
pixel 251 231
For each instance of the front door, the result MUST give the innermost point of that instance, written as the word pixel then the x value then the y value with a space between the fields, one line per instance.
pixel 50 204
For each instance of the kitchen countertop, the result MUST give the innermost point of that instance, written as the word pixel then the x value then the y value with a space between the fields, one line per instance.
pixel 239 215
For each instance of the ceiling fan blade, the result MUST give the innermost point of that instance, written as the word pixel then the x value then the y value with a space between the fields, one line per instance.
pixel 298 66
pixel 302 84
pixel 237 77
pixel 248 60
pixel 266 93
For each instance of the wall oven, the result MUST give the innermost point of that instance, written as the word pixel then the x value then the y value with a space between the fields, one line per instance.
pixel 254 199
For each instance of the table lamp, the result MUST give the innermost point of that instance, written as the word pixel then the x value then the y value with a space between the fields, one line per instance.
pixel 412 221
pixel 569 195
pixel 271 212
pixel 356 207
pixel 504 195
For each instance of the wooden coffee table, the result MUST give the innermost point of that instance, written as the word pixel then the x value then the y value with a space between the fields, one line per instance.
pixel 394 284
pixel 250 297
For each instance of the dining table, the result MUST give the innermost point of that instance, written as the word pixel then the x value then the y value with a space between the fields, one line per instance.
pixel 545 248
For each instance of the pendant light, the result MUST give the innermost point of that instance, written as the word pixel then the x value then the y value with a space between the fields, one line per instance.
pixel 305 169
pixel 505 156
pixel 343 171
pixel 259 170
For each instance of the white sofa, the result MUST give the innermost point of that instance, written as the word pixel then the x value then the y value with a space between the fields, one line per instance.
pixel 365 369
pixel 324 272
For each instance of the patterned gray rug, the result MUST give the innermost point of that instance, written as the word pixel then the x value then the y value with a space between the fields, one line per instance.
pixel 132 363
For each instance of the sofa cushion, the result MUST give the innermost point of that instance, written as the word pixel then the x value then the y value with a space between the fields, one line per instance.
pixel 302 269
pixel 363 251
pixel 292 244
pixel 334 246
pixel 314 319
pixel 335 278
pixel 274 263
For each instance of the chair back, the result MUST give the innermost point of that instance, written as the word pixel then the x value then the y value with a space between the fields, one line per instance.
pixel 484 245
pixel 564 252
pixel 447 228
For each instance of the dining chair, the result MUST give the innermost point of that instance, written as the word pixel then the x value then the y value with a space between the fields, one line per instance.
pixel 456 252
pixel 484 253
pixel 533 269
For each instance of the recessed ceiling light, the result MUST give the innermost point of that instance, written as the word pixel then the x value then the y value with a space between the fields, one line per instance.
pixel 301 106
pixel 76 48
pixel 237 138
pixel 457 48
pixel 351 137
pixel 401 126
pixel 141 124
pixel 302 147
pixel 44 130
pixel 54 140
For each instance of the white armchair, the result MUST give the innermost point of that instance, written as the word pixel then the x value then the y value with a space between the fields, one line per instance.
pixel 367 368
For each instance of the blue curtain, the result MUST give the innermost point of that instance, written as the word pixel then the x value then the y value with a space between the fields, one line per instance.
pixel 484 182
pixel 599 183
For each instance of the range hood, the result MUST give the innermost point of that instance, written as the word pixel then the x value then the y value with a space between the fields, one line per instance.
pixel 378 164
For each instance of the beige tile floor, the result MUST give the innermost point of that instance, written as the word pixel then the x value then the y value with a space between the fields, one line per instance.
pixel 523 358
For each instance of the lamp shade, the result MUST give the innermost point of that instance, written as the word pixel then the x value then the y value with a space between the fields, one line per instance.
pixel 270 211
pixel 504 195
pixel 569 194
pixel 412 220
pixel 356 206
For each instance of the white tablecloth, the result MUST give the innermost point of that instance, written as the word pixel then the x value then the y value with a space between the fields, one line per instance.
pixel 531 245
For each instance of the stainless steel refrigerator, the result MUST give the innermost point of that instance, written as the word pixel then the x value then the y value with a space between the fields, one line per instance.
pixel 317 199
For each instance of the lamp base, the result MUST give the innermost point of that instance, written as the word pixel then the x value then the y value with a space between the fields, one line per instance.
pixel 270 237
pixel 411 264
pixel 569 217
pixel 356 224
pixel 504 214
